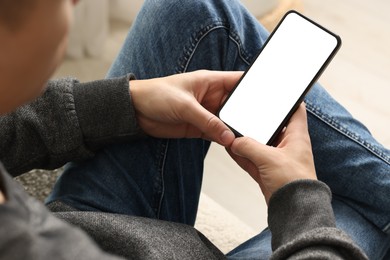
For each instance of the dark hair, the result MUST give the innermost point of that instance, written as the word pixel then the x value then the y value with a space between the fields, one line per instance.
pixel 13 13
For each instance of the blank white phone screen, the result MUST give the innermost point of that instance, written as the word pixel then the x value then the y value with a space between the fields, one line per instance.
pixel 277 79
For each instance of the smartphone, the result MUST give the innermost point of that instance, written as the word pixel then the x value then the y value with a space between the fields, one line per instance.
pixel 274 85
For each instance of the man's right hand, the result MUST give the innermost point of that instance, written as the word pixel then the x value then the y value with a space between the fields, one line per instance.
pixel 274 167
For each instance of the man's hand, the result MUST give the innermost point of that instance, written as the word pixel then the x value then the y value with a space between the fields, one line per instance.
pixel 274 167
pixel 184 105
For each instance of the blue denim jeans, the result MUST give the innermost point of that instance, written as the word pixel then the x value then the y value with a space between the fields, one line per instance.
pixel 161 178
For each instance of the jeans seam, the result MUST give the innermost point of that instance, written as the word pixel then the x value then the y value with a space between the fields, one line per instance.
pixel 334 124
pixel 196 39
pixel 161 170
pixel 316 111
pixel 387 229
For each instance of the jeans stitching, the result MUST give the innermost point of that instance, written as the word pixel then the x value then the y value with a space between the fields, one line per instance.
pixel 387 229
pixel 161 171
pixel 195 40
pixel 316 111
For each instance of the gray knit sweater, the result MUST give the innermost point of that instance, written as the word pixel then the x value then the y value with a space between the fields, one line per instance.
pixel 71 121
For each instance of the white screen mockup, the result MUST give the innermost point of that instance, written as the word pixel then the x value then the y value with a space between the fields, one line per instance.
pixel 269 91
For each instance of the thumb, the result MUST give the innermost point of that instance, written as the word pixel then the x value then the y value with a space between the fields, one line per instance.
pixel 210 125
pixel 249 148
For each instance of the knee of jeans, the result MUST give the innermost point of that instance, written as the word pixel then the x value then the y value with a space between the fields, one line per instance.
pixel 183 12
pixel 372 239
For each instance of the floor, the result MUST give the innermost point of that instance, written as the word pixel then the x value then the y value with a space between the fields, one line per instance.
pixel 359 77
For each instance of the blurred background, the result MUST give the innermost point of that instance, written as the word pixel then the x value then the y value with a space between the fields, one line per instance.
pixel 232 207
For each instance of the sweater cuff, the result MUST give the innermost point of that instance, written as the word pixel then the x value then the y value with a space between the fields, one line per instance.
pixel 299 207
pixel 105 111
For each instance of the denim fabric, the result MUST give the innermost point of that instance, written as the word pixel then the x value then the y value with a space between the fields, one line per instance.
pixel 161 178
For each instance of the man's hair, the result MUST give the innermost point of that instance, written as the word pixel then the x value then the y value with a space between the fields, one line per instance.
pixel 13 13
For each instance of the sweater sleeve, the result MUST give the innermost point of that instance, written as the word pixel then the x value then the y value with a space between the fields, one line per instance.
pixel 70 121
pixel 302 223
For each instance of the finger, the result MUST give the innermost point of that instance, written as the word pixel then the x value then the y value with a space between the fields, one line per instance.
pixel 226 79
pixel 296 125
pixel 244 163
pixel 221 82
pixel 280 137
pixel 252 169
pixel 251 149
pixel 210 125
pixel 298 122
pixel 230 79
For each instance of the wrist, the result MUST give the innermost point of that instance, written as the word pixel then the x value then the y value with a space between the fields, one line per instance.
pixel 135 92
pixel 299 207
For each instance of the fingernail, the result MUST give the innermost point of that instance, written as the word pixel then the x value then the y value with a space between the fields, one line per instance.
pixel 227 137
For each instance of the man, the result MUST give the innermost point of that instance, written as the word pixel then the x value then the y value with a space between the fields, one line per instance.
pixel 129 187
